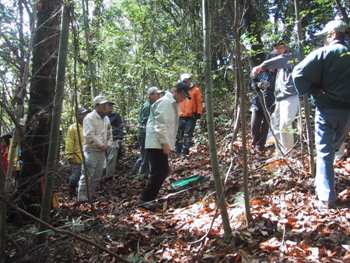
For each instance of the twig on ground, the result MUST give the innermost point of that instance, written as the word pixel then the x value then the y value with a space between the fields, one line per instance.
pixel 211 226
pixel 65 232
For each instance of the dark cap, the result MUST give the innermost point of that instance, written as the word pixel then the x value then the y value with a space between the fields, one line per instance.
pixel 279 43
pixel 182 87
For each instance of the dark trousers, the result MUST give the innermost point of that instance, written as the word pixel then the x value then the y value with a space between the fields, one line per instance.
pixel 159 170
pixel 185 134
pixel 259 129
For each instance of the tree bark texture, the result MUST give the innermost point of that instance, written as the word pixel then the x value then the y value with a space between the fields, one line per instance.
pixel 89 49
pixel 3 216
pixel 56 116
pixel 42 90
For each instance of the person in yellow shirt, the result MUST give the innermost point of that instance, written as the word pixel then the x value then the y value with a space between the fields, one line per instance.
pixel 73 151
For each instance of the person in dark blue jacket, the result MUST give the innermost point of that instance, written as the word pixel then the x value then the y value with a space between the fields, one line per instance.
pixel 325 75
pixel 286 97
pixel 262 104
pixel 118 134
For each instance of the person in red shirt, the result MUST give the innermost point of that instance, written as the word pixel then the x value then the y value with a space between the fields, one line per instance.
pixel 4 150
pixel 190 110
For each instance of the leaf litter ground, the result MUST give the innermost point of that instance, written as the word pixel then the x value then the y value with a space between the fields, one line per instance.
pixel 286 225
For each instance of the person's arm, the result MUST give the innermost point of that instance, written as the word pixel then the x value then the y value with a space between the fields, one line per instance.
pixel 281 61
pixel 198 103
pixel 307 74
pixel 144 113
pixel 109 133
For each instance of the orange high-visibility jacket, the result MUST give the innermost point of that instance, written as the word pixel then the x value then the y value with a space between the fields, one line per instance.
pixel 195 105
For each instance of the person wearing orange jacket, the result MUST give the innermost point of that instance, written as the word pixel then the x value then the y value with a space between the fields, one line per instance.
pixel 190 110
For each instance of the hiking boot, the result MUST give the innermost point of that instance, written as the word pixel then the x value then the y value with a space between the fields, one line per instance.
pixel 185 152
pixel 150 205
pixel 72 191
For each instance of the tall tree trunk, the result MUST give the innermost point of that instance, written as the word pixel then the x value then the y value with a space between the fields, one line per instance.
pixel 305 98
pixel 56 116
pixel 243 101
pixel 207 59
pixel 89 49
pixel 3 216
pixel 42 89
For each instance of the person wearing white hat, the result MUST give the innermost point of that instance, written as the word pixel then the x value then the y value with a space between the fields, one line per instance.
pixel 142 162
pixel 98 138
pixel 190 110
pixel 325 75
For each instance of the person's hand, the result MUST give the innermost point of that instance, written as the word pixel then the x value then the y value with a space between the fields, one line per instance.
pixel 255 71
pixel 166 149
pixel 118 143
pixel 103 147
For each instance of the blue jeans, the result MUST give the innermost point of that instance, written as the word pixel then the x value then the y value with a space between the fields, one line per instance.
pixel 331 127
pixel 185 134
pixel 75 175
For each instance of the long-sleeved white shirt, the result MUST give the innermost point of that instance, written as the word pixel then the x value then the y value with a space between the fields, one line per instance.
pixel 162 123
pixel 97 132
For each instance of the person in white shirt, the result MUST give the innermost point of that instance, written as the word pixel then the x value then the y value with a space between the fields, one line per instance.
pixel 161 130
pixel 97 133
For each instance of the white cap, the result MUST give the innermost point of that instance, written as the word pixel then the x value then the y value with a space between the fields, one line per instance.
pixel 153 90
pixel 100 99
pixel 185 76
pixel 333 26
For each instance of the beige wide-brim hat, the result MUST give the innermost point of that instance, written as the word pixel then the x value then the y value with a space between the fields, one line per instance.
pixel 100 99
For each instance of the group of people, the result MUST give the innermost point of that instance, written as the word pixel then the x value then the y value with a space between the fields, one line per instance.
pixel 276 95
pixel 190 110
pixel 324 75
pixel 166 123
pixel 168 118
pixel 92 146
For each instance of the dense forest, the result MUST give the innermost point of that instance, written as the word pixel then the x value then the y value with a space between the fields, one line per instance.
pixel 56 56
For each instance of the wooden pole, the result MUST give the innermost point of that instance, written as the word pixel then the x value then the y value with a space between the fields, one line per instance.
pixel 207 59
pixel 242 97
pixel 307 110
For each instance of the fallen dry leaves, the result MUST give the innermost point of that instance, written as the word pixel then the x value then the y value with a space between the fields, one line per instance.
pixel 286 227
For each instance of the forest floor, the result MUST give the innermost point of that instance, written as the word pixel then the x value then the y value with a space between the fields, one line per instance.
pixel 285 226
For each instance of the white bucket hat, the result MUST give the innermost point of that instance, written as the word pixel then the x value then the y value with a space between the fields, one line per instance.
pixel 185 76
pixel 333 26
